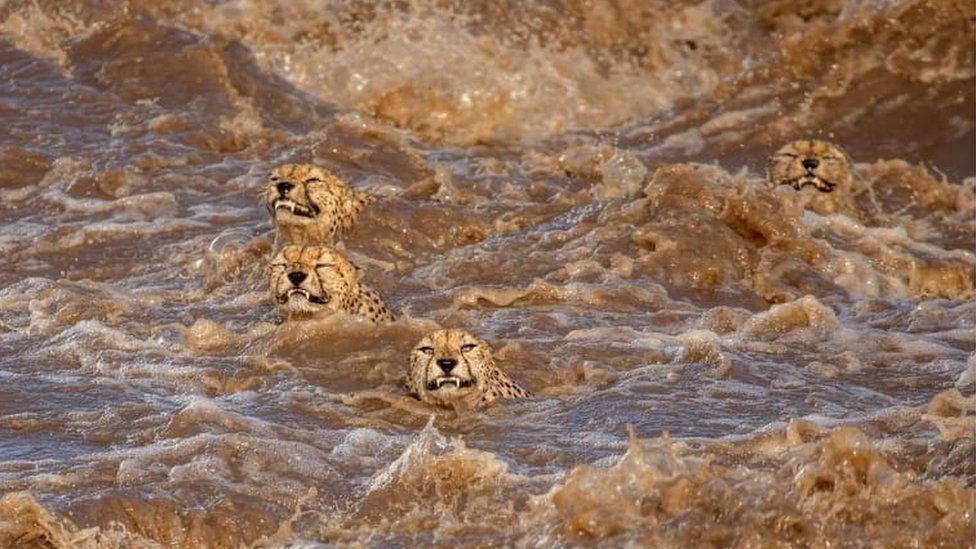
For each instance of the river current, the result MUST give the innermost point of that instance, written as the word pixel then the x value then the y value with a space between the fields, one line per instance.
pixel 578 182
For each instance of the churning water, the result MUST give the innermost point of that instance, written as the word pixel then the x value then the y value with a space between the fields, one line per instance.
pixel 579 182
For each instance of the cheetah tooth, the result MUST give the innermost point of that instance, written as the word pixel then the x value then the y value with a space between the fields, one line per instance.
pixel 443 380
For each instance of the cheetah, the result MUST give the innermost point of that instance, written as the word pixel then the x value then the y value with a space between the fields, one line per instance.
pixel 817 164
pixel 313 281
pixel 450 367
pixel 309 205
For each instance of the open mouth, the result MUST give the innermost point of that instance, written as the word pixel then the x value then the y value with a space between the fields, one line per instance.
pixel 819 183
pixel 811 180
pixel 319 300
pixel 293 207
pixel 456 382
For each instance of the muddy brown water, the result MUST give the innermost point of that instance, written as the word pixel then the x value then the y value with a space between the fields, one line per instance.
pixel 580 183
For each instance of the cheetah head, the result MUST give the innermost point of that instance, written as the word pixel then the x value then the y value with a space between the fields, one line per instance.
pixel 310 280
pixel 453 366
pixel 814 163
pixel 290 192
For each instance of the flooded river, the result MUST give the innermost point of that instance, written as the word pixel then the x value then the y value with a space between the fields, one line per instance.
pixel 581 183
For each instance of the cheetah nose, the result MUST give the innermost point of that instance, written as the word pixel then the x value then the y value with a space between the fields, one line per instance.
pixel 810 163
pixel 284 187
pixel 297 277
pixel 446 364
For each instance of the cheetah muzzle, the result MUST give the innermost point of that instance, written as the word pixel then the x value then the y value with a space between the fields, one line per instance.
pixel 308 296
pixel 453 380
pixel 295 208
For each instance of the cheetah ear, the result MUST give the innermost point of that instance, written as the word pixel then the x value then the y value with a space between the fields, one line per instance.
pixel 364 198
pixel 851 168
pixel 849 158
pixel 768 172
pixel 351 273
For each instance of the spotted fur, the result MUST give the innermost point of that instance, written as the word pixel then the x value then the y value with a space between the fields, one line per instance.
pixel 310 281
pixel 474 380
pixel 309 205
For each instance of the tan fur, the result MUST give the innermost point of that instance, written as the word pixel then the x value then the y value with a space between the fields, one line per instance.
pixel 318 208
pixel 827 185
pixel 331 284
pixel 475 368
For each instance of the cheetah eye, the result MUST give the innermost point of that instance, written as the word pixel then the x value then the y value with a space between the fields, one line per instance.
pixel 279 265
pixel 312 180
pixel 320 265
pixel 426 350
pixel 467 347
